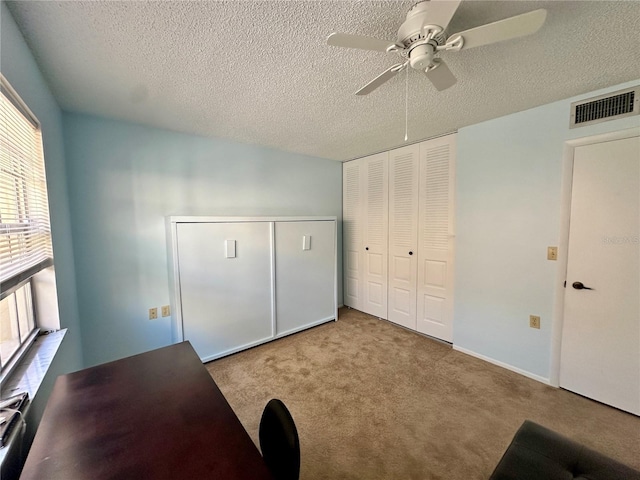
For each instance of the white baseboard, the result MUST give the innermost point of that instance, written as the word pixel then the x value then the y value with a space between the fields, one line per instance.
pixel 525 373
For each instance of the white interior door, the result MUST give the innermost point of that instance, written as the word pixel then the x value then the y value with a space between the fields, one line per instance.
pixel 225 285
pixel 352 222
pixel 305 259
pixel 403 234
pixel 600 356
pixel 376 214
pixel 435 238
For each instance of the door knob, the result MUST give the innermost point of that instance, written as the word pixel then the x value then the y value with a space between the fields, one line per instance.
pixel 410 253
pixel 580 286
pixel 366 248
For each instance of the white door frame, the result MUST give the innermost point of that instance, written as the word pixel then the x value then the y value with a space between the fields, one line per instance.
pixel 563 246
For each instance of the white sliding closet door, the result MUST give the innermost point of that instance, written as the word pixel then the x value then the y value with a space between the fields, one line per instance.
pixel 226 287
pixel 435 238
pixel 352 233
pixel 376 229
pixel 403 235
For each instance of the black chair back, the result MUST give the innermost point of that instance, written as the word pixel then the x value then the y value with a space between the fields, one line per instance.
pixel 279 441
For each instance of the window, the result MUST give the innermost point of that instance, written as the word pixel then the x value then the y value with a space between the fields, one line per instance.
pixel 25 234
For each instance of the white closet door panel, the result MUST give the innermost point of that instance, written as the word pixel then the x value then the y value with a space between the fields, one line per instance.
pixel 376 229
pixel 435 238
pixel 305 257
pixel 353 225
pixel 226 302
pixel 403 235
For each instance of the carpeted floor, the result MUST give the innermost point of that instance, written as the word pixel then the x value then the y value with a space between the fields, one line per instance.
pixel 374 401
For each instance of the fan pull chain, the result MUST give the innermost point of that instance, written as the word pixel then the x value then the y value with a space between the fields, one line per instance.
pixel 406 105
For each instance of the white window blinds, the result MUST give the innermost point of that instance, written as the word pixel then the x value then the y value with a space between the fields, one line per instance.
pixel 25 233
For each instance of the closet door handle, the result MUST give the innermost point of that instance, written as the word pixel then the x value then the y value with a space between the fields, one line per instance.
pixel 410 253
pixel 366 248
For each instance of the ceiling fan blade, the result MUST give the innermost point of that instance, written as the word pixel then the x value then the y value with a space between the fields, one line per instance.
pixel 506 29
pixel 441 76
pixel 358 41
pixel 380 79
pixel 441 12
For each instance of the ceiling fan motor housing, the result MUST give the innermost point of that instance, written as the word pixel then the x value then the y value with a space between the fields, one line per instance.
pixel 411 31
pixel 421 56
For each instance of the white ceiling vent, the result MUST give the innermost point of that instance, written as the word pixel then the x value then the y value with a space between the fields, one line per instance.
pixel 622 103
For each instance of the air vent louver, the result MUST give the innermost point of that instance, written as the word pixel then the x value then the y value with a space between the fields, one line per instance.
pixel 605 107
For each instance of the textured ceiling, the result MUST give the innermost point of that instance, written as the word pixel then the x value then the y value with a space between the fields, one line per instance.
pixel 260 71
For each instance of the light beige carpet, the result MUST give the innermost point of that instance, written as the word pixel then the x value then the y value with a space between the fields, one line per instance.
pixel 374 401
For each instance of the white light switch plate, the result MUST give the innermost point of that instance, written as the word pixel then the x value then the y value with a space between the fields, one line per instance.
pixel 230 248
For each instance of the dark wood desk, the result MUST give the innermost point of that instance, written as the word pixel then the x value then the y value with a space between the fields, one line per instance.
pixel 158 415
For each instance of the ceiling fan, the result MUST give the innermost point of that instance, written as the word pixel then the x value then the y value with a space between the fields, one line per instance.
pixel 422 37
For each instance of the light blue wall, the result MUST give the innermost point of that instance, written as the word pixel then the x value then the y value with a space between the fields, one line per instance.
pixel 20 69
pixel 125 178
pixel 508 206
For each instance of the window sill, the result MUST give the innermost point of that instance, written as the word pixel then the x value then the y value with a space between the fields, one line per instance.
pixel 29 374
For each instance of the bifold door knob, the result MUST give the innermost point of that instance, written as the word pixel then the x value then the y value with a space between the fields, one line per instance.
pixel 580 286
pixel 366 248
pixel 410 253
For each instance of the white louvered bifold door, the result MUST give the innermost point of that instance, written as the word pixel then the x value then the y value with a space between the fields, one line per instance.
pixel 376 215
pixel 403 235
pixel 352 221
pixel 435 238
